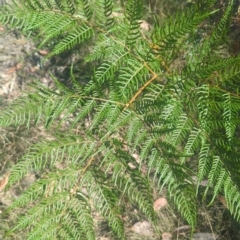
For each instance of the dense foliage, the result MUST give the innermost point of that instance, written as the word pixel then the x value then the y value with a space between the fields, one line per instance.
pixel 167 93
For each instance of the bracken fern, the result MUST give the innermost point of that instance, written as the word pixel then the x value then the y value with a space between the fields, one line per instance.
pixel 137 100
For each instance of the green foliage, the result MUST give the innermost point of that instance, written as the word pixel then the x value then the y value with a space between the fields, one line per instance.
pixel 165 95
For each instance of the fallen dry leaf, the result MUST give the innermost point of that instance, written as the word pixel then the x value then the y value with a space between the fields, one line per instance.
pixel 160 203
pixel 34 69
pixel 21 41
pixel 13 69
pixel 144 25
pixel 117 14
pixel 2 28
pixel 222 200
pixel 4 180
pixel 132 166
pixel 136 157
pixel 143 228
pixel 166 236
pixel 43 52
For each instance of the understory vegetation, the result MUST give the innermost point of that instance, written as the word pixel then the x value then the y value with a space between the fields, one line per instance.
pixel 151 104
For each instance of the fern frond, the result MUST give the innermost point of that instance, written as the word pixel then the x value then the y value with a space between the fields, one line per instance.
pixel 106 71
pixel 77 36
pixel 222 28
pixel 230 116
pixel 194 140
pixel 183 126
pixel 175 177
pixel 232 197
pixel 58 212
pixel 217 177
pixel 58 150
pixel 175 30
pixel 204 163
pixel 107 19
pixel 47 186
pixel 185 201
pixel 130 182
pixel 57 24
pixel 104 200
pixel 131 78
pixel 87 9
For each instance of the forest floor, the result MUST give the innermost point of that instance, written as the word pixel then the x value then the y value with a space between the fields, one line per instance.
pixel 21 64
